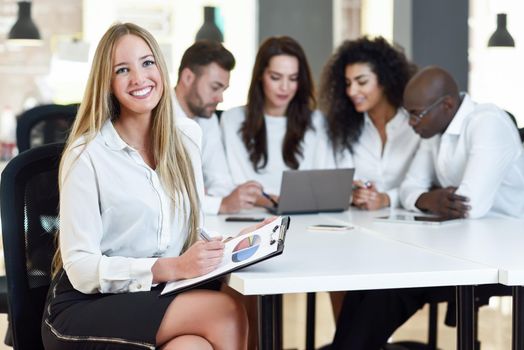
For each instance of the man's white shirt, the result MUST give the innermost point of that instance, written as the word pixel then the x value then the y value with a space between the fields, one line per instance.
pixel 480 153
pixel 217 178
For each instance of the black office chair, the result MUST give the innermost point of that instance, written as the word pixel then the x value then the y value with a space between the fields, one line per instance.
pixel 44 124
pixel 29 211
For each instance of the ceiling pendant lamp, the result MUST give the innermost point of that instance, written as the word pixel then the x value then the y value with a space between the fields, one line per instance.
pixel 209 29
pixel 24 31
pixel 501 37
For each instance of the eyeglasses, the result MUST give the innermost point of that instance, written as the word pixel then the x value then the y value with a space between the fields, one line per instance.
pixel 418 116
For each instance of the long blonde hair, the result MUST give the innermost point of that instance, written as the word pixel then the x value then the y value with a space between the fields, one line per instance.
pixel 173 164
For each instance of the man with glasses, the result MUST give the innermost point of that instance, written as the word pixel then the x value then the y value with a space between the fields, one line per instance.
pixel 470 162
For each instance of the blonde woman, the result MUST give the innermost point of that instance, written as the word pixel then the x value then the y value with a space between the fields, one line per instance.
pixel 129 186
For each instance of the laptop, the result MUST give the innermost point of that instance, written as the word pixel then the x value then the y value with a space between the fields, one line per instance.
pixel 313 191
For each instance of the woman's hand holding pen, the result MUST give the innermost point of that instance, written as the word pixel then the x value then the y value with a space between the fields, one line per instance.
pixel 365 196
pixel 267 200
pixel 201 258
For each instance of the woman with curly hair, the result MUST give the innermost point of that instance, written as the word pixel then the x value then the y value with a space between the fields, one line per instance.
pixel 361 96
pixel 279 128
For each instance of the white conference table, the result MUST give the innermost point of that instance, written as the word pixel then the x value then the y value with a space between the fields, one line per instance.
pixel 358 259
pixel 494 241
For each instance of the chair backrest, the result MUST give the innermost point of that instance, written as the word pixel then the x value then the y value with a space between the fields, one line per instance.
pixel 29 210
pixel 44 124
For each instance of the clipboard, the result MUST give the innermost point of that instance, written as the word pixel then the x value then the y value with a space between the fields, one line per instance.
pixel 241 251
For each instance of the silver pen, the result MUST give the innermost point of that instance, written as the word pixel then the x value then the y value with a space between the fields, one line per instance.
pixel 204 234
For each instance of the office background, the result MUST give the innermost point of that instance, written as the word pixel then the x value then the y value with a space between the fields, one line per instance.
pixel 450 33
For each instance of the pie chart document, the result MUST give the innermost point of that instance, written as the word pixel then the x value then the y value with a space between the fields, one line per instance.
pixel 241 251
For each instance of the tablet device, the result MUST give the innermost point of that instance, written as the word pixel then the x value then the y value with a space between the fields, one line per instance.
pixel 415 219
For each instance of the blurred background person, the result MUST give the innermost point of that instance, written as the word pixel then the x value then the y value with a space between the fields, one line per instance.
pixel 279 128
pixel 203 76
pixel 361 96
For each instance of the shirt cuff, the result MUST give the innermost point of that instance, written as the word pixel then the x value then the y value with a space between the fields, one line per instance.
pixel 211 205
pixel 141 274
pixel 411 199
pixel 122 274
pixel 393 198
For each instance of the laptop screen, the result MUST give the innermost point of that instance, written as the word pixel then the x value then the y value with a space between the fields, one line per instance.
pixel 312 191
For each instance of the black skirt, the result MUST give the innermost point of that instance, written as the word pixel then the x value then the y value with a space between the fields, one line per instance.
pixel 74 320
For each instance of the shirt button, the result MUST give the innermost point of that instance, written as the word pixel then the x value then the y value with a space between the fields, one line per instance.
pixel 139 286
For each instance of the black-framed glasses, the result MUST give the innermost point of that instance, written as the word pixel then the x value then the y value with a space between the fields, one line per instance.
pixel 418 116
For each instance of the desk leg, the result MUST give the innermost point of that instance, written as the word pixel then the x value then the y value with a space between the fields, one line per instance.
pixel 278 322
pixel 266 318
pixel 518 318
pixel 465 316
pixel 310 321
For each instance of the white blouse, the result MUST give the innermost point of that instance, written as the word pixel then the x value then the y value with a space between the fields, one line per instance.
pixel 115 217
pixel 385 167
pixel 480 152
pixel 315 149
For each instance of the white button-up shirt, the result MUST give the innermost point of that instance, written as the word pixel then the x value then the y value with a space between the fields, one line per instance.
pixel 316 152
pixel 115 217
pixel 385 166
pixel 480 153
pixel 217 179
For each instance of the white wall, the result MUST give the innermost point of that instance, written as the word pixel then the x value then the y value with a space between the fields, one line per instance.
pixel 377 18
pixel 496 74
pixel 184 18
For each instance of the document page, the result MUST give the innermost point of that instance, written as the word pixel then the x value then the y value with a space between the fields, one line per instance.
pixel 241 251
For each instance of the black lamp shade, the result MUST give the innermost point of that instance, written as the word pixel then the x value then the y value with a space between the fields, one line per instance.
pixel 501 37
pixel 24 27
pixel 209 29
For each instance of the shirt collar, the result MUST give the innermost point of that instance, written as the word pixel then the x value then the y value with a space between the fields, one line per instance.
pixel 398 119
pixel 111 137
pixel 466 108
pixel 179 112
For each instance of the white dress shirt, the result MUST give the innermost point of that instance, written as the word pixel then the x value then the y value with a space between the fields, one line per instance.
pixel 217 179
pixel 385 166
pixel 315 149
pixel 480 153
pixel 115 217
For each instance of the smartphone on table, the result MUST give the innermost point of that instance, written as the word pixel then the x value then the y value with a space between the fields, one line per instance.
pixel 244 219
pixel 329 227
